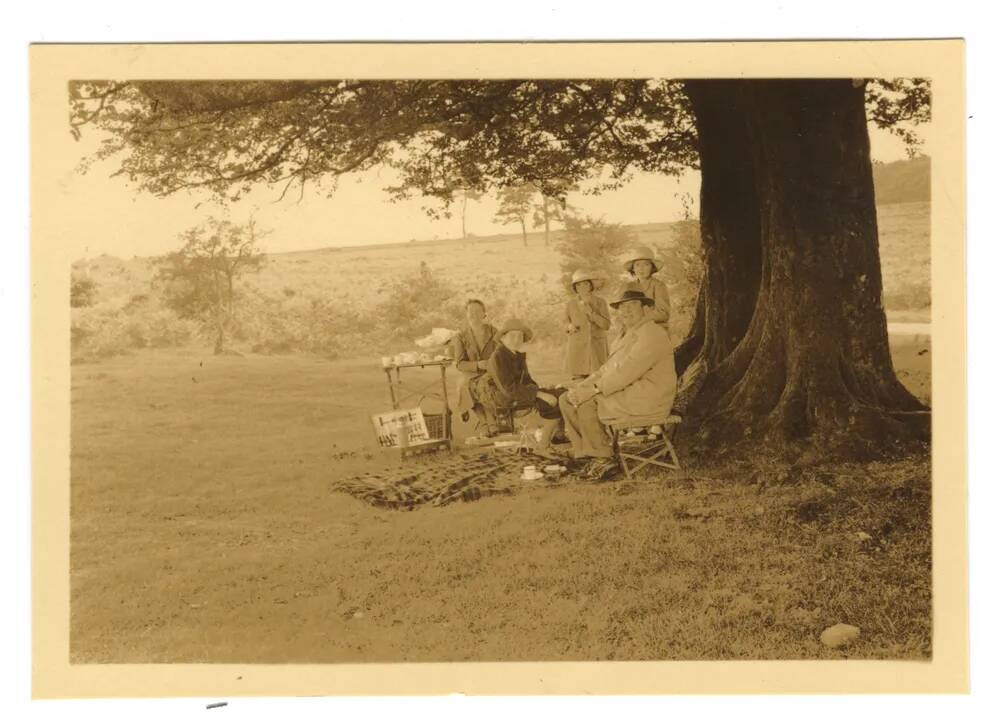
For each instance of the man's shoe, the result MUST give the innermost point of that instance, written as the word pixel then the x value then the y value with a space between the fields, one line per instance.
pixel 604 469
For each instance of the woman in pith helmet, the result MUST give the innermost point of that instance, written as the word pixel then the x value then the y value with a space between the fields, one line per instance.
pixel 587 321
pixel 642 264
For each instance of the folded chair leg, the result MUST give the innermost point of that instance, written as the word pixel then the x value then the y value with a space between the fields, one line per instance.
pixel 672 452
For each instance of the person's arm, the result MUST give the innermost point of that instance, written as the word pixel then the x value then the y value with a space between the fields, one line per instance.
pixel 462 361
pixel 600 314
pixel 526 378
pixel 646 351
pixel 568 324
pixel 661 296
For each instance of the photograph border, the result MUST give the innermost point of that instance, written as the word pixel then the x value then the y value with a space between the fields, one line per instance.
pixel 53 156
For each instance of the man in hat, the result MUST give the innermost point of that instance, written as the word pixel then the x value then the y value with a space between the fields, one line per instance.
pixel 638 380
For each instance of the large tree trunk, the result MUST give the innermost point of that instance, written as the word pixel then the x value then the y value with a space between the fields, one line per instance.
pixel 811 369
pixel 730 225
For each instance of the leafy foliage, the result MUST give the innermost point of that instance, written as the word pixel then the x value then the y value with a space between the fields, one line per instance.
pixel 591 243
pixel 441 136
pixel 515 205
pixel 198 280
pixel 418 301
pixel 899 105
pixel 82 291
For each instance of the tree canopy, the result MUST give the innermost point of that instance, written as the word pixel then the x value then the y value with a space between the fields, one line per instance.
pixel 198 280
pixel 440 135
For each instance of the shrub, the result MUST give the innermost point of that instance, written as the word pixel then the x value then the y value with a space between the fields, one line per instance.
pixel 592 244
pixel 82 291
pixel 419 301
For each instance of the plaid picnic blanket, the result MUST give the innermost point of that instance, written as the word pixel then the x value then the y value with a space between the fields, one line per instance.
pixel 466 476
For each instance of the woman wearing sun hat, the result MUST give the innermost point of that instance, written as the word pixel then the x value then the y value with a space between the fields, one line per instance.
pixel 587 320
pixel 508 384
pixel 642 264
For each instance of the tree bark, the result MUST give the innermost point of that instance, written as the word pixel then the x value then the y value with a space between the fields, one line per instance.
pixel 811 371
pixel 220 334
pixel 730 225
pixel 465 201
pixel 524 232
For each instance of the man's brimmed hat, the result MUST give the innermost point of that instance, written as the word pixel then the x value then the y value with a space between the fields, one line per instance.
pixel 638 253
pixel 630 294
pixel 585 275
pixel 515 324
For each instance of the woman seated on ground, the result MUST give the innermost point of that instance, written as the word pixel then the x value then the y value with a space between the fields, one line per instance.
pixel 472 348
pixel 508 384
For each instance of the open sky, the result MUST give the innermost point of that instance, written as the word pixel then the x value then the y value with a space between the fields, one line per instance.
pixel 110 217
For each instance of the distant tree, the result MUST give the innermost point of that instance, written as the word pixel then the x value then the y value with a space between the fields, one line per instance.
pixel 593 244
pixel 199 278
pixel 82 291
pixel 416 301
pixel 549 209
pixel 515 205
pixel 465 195
pixel 687 205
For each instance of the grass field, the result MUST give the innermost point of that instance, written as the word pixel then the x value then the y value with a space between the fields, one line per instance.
pixel 203 529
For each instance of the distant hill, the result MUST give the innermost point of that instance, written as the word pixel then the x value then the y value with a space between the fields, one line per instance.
pixel 903 182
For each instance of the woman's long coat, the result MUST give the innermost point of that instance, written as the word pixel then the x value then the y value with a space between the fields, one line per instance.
pixel 587 348
pixel 657 291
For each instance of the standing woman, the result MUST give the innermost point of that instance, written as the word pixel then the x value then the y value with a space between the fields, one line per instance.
pixel 472 348
pixel 587 321
pixel 642 265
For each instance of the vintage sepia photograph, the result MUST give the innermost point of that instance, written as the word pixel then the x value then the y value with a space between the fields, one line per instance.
pixel 507 367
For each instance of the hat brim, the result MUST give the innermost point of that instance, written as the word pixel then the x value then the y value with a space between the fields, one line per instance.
pixel 525 330
pixel 646 302
pixel 655 262
pixel 596 282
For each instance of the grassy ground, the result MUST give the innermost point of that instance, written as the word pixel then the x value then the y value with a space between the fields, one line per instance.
pixel 203 530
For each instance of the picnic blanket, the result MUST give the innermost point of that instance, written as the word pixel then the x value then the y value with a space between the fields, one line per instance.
pixel 466 476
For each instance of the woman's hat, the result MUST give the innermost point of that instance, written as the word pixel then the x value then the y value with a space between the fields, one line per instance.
pixel 642 253
pixel 631 294
pixel 584 275
pixel 515 324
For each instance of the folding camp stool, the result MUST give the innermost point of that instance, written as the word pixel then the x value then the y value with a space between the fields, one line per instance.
pixel 657 452
pixel 506 417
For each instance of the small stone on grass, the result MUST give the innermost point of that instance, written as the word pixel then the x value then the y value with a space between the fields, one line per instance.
pixel 839 635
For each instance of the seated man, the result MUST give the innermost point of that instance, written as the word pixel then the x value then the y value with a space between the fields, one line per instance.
pixel 637 380
pixel 507 382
